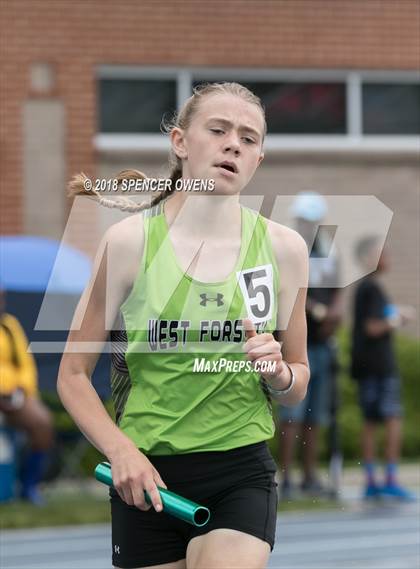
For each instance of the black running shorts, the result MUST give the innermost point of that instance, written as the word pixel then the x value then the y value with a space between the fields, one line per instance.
pixel 237 486
pixel 380 398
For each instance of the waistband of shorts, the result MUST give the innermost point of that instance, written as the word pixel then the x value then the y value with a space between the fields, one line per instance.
pixel 254 448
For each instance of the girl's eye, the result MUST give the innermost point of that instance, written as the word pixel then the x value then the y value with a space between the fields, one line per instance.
pixel 249 140
pixel 217 130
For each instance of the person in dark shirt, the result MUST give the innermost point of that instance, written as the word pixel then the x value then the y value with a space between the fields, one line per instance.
pixel 323 315
pixel 374 366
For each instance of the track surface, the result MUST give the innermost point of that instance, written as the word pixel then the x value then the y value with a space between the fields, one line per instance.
pixel 366 537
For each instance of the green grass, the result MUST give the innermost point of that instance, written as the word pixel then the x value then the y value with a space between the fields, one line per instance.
pixel 58 511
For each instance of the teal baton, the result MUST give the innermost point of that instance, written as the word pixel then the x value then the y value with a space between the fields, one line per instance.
pixel 173 504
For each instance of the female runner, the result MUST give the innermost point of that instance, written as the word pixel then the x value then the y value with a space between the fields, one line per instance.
pixel 195 287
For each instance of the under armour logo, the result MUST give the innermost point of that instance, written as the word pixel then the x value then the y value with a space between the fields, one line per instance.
pixel 205 299
pixel 117 549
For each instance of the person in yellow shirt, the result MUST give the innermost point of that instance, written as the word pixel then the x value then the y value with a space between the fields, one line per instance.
pixel 20 402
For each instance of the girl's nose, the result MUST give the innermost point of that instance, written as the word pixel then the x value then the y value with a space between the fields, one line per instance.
pixel 233 144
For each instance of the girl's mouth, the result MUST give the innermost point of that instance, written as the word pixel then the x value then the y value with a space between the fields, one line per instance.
pixel 227 169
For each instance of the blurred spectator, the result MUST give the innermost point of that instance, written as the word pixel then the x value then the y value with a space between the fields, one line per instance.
pixel 323 310
pixel 20 402
pixel 375 368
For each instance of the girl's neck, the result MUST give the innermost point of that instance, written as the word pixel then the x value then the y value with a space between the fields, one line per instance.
pixel 203 214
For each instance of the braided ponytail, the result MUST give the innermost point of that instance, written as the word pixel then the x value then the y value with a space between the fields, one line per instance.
pixel 77 187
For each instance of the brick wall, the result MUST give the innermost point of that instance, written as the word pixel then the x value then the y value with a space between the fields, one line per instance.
pixel 74 36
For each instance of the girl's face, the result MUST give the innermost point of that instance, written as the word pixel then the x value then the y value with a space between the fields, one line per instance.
pixel 223 142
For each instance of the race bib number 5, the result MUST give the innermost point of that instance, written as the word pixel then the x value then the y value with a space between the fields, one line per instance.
pixel 257 290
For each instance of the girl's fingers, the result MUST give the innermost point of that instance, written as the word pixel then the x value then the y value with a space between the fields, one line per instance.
pixel 258 340
pixel 269 359
pixel 249 328
pixel 154 494
pixel 126 495
pixel 159 481
pixel 265 349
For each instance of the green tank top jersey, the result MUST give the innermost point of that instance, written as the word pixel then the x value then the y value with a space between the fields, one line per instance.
pixel 180 380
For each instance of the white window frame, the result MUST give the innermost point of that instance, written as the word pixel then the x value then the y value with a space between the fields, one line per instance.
pixel 353 140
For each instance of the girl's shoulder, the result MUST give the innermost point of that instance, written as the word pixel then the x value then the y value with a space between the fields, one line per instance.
pixel 282 237
pixel 291 254
pixel 287 243
pixel 123 243
pixel 129 227
pixel 126 236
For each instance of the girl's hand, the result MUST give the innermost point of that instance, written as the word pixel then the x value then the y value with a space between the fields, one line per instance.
pixel 132 474
pixel 264 347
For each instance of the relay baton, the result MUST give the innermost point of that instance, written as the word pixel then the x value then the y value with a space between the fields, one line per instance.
pixel 173 504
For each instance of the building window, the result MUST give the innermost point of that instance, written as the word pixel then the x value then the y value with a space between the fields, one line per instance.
pixel 315 109
pixel 301 108
pixel 390 108
pixel 135 105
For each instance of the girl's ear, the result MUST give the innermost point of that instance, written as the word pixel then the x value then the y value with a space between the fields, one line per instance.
pixel 261 158
pixel 178 143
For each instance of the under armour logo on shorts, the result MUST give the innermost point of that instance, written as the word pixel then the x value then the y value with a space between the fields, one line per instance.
pixel 205 299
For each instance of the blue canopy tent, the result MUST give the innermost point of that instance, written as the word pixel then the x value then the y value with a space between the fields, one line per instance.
pixel 32 266
pixel 26 265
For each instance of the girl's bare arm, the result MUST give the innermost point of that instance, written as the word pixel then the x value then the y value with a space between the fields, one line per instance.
pixel 292 258
pixel 115 268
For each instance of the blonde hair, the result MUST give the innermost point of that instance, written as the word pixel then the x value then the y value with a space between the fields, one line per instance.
pixel 180 120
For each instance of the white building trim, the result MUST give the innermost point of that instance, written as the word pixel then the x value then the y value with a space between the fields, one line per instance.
pixel 354 140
